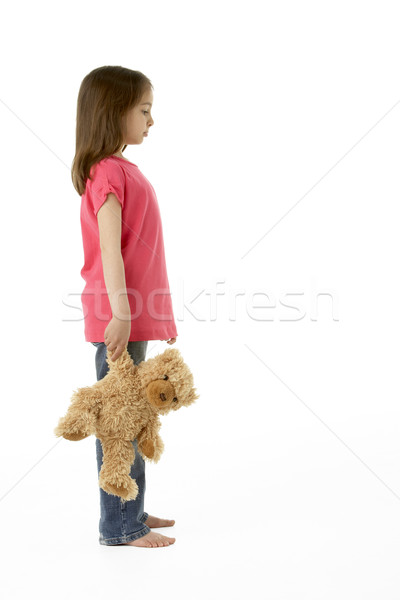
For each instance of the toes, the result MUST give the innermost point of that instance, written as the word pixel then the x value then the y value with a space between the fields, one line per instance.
pixel 157 522
pixel 163 541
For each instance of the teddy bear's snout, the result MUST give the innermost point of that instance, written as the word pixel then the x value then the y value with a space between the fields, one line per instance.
pixel 160 394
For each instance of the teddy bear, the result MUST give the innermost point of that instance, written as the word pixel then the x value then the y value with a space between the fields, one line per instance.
pixel 126 405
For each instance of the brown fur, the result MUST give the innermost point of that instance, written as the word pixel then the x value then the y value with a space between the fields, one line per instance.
pixel 125 405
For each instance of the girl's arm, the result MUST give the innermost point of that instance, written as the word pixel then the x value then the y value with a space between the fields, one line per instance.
pixel 117 333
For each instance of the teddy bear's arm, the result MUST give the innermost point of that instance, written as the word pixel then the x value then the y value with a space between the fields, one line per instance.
pixel 79 421
pixel 150 444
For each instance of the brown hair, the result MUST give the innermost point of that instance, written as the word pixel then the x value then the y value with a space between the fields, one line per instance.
pixel 105 95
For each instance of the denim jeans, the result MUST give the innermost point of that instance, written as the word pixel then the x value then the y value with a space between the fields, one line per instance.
pixel 121 521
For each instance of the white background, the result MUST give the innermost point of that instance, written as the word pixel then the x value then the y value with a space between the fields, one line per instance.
pixel 275 159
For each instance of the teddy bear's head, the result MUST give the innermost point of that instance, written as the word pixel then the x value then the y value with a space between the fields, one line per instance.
pixel 167 381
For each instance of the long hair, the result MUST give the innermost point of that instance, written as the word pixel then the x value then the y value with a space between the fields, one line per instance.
pixel 105 95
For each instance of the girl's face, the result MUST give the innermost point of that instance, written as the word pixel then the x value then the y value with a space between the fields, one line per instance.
pixel 138 120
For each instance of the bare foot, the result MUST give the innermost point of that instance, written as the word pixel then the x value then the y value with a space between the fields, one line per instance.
pixel 156 522
pixel 151 540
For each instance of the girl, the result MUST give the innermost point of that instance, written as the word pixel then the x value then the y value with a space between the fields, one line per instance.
pixel 126 300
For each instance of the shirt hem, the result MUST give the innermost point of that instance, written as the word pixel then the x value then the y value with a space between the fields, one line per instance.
pixel 137 336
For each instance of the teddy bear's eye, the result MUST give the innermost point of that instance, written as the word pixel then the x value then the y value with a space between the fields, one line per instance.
pixel 175 400
pixel 165 377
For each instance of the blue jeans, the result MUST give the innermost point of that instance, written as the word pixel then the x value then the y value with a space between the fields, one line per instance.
pixel 121 521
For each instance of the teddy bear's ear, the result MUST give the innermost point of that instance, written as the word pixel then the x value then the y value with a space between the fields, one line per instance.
pixel 193 395
pixel 171 354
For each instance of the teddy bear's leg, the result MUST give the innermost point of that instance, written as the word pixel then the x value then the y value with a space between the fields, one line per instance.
pixel 150 444
pixel 151 447
pixel 114 477
pixel 79 422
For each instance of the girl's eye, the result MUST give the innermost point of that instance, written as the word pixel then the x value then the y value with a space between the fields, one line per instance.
pixel 146 112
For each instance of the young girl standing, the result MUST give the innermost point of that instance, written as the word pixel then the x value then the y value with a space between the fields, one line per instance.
pixel 126 300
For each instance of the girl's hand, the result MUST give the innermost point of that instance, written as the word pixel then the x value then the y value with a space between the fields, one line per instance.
pixel 170 341
pixel 116 337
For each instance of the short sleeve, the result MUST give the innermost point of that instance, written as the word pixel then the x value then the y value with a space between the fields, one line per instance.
pixel 107 177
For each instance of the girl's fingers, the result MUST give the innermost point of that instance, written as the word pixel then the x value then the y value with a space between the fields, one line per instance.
pixel 117 352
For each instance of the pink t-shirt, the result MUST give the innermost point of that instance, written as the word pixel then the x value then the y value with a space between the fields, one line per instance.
pixel 142 248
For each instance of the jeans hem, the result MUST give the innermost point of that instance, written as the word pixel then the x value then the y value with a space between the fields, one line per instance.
pixel 144 517
pixel 125 538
